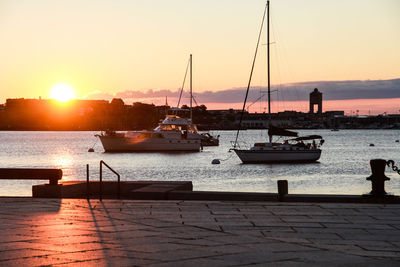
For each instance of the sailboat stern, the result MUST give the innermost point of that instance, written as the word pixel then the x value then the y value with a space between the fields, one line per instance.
pixel 278 156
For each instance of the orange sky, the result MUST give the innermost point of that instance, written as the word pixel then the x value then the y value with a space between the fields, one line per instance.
pixel 114 46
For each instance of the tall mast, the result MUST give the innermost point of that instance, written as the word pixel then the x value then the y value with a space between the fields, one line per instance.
pixel 268 71
pixel 191 92
pixel 269 86
pixel 251 75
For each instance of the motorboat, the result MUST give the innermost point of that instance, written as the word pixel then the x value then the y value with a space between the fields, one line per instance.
pixel 172 134
pixel 208 140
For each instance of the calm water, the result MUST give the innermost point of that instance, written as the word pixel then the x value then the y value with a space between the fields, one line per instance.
pixel 342 169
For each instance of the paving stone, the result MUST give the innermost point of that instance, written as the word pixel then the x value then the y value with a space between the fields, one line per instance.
pixel 374 247
pixel 393 231
pixel 23 253
pixel 282 228
pixel 252 258
pixel 196 233
pixel 39 261
pixel 330 230
pixel 185 254
pixel 334 258
pixel 302 235
pixel 291 240
pixel 332 219
pixel 359 226
pixel 369 237
pixel 198 262
pixel 378 254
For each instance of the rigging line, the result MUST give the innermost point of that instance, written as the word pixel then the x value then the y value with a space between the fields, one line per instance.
pixel 194 99
pixel 183 84
pixel 255 101
pixel 278 70
pixel 285 60
pixel 251 74
pixel 260 97
pixel 227 158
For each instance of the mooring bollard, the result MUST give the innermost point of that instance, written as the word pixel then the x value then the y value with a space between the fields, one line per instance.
pixel 282 189
pixel 378 177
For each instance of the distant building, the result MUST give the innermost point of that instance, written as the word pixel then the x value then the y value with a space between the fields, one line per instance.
pixel 316 99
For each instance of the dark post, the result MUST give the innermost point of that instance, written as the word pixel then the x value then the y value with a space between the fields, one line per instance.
pixel 87 181
pixel 282 189
pixel 101 182
pixel 53 181
pixel 378 177
pixel 119 186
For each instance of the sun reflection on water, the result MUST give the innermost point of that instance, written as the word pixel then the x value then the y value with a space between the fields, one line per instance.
pixel 63 159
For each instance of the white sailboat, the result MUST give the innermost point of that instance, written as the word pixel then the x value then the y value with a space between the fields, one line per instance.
pixel 172 134
pixel 294 149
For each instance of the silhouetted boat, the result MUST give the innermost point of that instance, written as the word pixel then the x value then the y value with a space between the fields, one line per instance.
pixel 299 149
pixel 208 140
pixel 172 134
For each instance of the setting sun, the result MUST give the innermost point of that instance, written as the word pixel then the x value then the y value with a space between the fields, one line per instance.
pixel 62 92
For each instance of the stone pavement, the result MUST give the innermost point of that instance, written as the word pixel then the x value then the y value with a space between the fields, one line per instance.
pixel 63 232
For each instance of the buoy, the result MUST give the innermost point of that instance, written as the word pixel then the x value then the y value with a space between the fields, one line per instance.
pixel 371 145
pixel 91 149
pixel 215 161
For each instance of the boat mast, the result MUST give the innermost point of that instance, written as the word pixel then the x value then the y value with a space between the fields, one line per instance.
pixel 191 92
pixel 251 75
pixel 268 71
pixel 268 74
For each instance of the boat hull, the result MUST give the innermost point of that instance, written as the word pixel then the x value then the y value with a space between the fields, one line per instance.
pixel 278 156
pixel 127 144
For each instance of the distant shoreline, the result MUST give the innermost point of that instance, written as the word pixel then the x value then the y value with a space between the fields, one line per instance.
pixel 202 130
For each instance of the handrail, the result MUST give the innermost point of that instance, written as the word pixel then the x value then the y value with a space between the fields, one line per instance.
pixel 101 179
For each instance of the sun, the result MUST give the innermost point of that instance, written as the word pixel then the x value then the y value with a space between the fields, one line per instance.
pixel 62 92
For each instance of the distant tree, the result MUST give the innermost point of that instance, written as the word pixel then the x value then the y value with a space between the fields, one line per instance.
pixel 142 116
pixel 117 102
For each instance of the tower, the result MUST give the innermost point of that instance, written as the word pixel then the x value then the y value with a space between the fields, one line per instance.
pixel 316 99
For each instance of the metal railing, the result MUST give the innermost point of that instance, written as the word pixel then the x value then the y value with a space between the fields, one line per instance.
pixel 101 181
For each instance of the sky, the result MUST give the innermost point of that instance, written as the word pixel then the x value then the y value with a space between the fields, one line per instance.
pixel 113 48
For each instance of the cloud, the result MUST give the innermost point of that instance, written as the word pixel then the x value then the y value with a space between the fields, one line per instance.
pixel 345 90
pixel 332 90
pixel 98 95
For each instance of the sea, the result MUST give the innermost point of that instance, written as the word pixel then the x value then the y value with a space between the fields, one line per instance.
pixel 342 168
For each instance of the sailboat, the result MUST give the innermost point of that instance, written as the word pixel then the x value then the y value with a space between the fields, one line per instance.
pixel 206 138
pixel 294 148
pixel 172 134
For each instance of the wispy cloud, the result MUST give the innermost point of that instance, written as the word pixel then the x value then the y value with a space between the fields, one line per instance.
pixel 98 95
pixel 332 90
